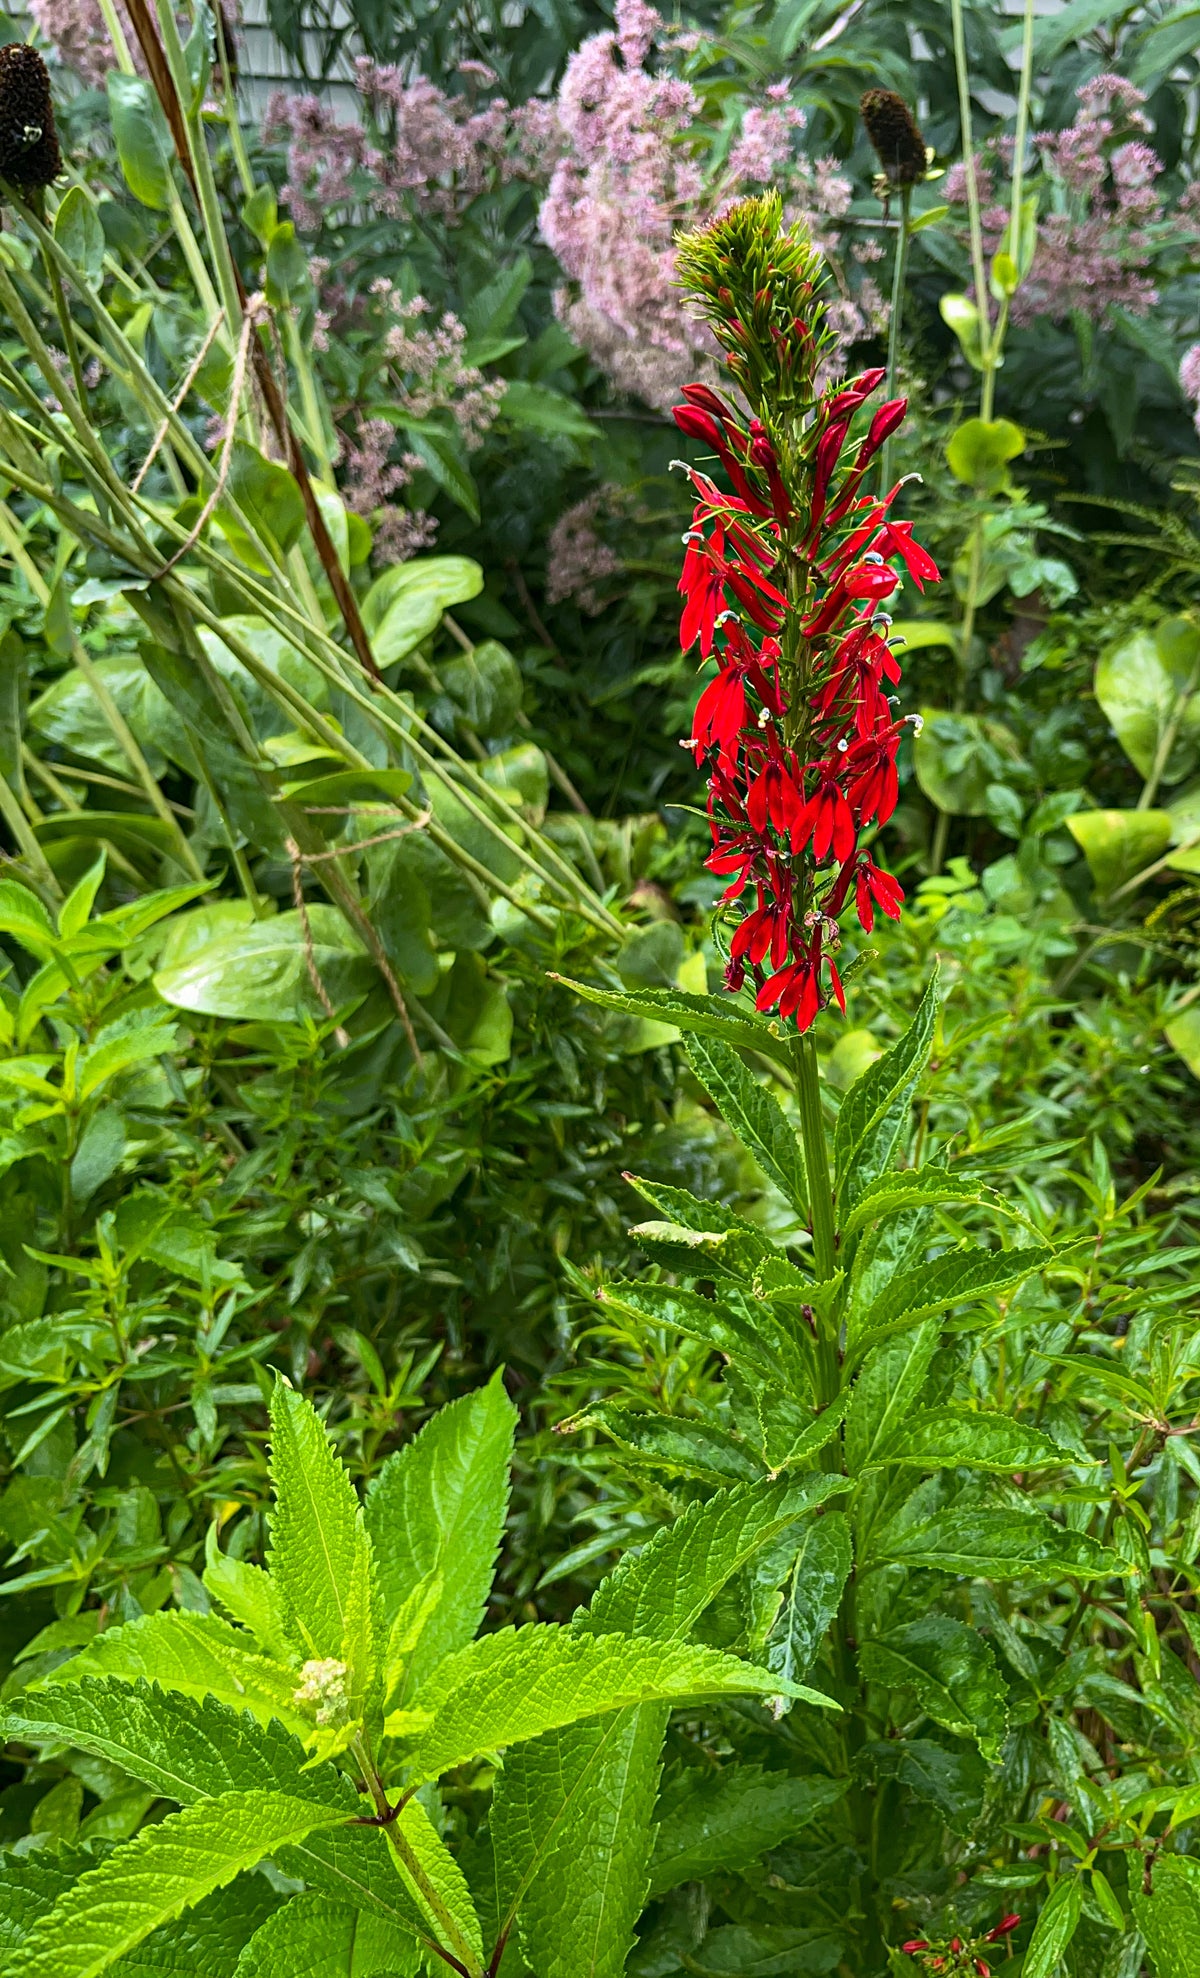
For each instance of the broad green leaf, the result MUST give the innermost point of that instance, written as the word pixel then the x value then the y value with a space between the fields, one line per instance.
pixel 960 1277
pixel 484 689
pixel 943 1438
pixel 142 139
pixel 720 1823
pixel 886 1392
pixel 1054 1929
pixel 1169 1915
pixel 516 1684
pixel 662 1591
pixel 203 1943
pixel 995 1543
pixel 262 973
pixel 158 1875
pixel 196 1654
pixel 978 452
pixel 78 231
pixel 1138 688
pixel 248 1594
pixel 701 1016
pixel 676 1444
pixel 958 756
pixel 753 1112
pixel 812 1594
pixel 314 1526
pixel 1183 1035
pixel 356 1865
pixel 572 1829
pixel 1118 844
pixel 187 1748
pixel 952 1781
pixel 874 1109
pixel 406 603
pixel 312 1937
pixel 269 498
pixel 950 1669
pixel 436 1512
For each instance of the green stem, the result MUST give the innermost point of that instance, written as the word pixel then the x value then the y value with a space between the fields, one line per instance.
pixel 820 1201
pixel 974 206
pixel 894 326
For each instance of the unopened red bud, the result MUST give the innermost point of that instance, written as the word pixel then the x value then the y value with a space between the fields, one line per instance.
pixel 914 1945
pixel 984 1970
pixel 956 1945
pixel 1003 1927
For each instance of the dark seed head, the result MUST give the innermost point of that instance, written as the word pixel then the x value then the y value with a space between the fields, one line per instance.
pixel 29 153
pixel 896 135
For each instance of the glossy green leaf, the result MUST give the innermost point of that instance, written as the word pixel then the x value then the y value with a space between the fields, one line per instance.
pixel 676 1444
pixel 261 973
pixel 812 1595
pixel 960 1277
pixel 753 1112
pixel 78 231
pixel 1054 1929
pixel 950 1669
pixel 1118 844
pixel 702 1016
pixel 314 1526
pixel 196 1654
pixel 142 139
pixel 313 1937
pixel 1168 1915
pixel 720 1823
pixel 995 1543
pixel 943 1438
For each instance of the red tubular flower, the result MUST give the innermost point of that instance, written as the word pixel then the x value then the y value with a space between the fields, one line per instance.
pixel 826 819
pixel 1003 1928
pixel 875 888
pixel 845 402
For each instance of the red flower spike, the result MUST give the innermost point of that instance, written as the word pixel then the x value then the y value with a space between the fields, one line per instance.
pixel 786 819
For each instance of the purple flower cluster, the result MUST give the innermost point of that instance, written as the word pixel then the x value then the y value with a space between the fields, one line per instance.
pixel 1102 218
pixel 76 30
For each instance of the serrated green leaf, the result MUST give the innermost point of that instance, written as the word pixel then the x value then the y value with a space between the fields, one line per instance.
pixel 995 1543
pixel 248 1594
pixel 1054 1928
pixel 158 1875
pixel 701 1016
pixel 916 1188
pixel 516 1684
pixel 676 1444
pixel 765 1950
pixel 886 1392
pixel 313 1937
pixel 1169 1915
pixel 754 1114
pixel 188 1748
pixel 723 1823
pixel 662 1591
pixel 751 1346
pixel 707 1226
pixel 572 1829
pixel 950 1669
pixel 873 1110
pixel 355 1865
pixel 204 1943
pixel 952 1781
pixel 943 1438
pixel 958 1278
pixel 196 1654
pixel 436 1514
pixel 313 1526
pixel 812 1594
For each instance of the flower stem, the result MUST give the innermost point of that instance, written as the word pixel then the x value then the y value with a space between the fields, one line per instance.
pixel 894 325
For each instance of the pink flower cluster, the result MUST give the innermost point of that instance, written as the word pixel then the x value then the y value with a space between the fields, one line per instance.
pixel 1189 379
pixel 577 558
pixel 1102 217
pixel 424 373
pixel 416 147
pixel 632 174
pixel 76 29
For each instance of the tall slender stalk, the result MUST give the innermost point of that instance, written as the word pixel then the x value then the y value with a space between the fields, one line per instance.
pixel 895 321
pixel 820 1204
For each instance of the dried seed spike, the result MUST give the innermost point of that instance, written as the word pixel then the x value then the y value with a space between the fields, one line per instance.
pixel 896 135
pixel 29 155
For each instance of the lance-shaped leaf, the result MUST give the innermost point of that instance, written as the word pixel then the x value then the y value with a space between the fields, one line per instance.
pixel 886 1393
pixel 701 1016
pixel 915 1188
pixel 812 1594
pixel 693 1234
pixel 994 1543
pixel 313 1526
pixel 313 1937
pixel 196 1654
pixel 950 1669
pixel 187 1748
pixel 944 1438
pixel 1055 1928
pixel 723 1822
pixel 662 1591
pixel 958 1278
pixel 513 1685
pixel 676 1444
pixel 158 1875
pixel 435 1514
pixel 760 1351
pixel 203 1943
pixel 873 1111
pixel 249 1595
pixel 572 1827
pixel 755 1115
